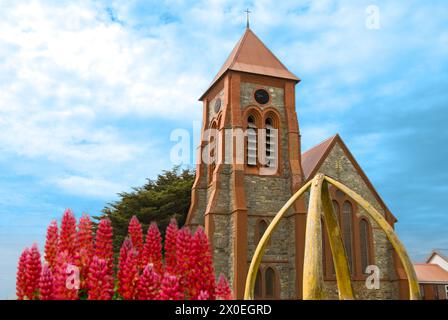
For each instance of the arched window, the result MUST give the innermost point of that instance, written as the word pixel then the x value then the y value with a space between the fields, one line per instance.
pixel 336 208
pixel 271 140
pixel 324 251
pixel 213 143
pixel 261 228
pixel 251 141
pixel 337 213
pixel 347 231
pixel 364 230
pixel 257 288
pixel 269 283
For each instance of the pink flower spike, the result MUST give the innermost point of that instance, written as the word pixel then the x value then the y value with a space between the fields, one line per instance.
pixel 136 233
pixel 127 271
pixel 21 275
pixel 51 243
pixel 67 241
pixel 85 235
pixel 170 288
pixel 185 261
pixel 103 243
pixel 148 284
pixel 46 284
pixel 64 282
pixel 152 251
pixel 33 271
pixel 203 274
pixel 99 281
pixel 170 247
pixel 223 291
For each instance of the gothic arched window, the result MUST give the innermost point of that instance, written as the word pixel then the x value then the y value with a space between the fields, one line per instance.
pixel 324 251
pixel 269 283
pixel 271 143
pixel 261 228
pixel 364 230
pixel 336 208
pixel 337 213
pixel 251 141
pixel 257 288
pixel 347 231
pixel 213 145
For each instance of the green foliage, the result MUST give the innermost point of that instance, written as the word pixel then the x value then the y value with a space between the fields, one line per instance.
pixel 158 200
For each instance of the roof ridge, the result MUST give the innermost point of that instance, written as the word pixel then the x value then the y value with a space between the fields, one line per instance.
pixel 321 143
pixel 269 50
pixel 240 45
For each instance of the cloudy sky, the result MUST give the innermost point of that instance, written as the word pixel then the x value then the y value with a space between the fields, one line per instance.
pixel 91 90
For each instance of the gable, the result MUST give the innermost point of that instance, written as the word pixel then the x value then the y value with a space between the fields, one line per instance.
pixel 333 158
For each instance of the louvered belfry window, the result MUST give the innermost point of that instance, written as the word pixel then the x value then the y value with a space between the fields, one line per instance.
pixel 271 140
pixel 251 141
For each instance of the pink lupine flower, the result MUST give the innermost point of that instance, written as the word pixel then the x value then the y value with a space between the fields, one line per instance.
pixel 127 270
pixel 170 288
pixel 99 280
pixel 67 240
pixel 103 242
pixel 64 282
pixel 148 284
pixel 51 244
pixel 170 247
pixel 223 291
pixel 126 246
pixel 203 273
pixel 136 233
pixel 85 235
pixel 152 251
pixel 46 284
pixel 185 260
pixel 203 295
pixel 21 275
pixel 85 247
pixel 33 271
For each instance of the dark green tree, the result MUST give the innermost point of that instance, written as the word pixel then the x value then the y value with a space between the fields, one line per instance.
pixel 158 200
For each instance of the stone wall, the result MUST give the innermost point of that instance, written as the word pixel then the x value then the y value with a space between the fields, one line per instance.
pixel 338 166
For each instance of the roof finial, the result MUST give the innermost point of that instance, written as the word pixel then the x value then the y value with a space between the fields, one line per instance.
pixel 247 18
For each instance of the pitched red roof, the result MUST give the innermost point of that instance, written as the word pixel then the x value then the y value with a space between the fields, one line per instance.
pixel 251 55
pixel 314 157
pixel 431 273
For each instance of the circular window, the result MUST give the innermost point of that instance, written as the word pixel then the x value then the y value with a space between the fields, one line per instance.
pixel 261 96
pixel 217 106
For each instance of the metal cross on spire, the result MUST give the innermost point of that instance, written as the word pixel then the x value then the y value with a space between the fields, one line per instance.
pixel 247 18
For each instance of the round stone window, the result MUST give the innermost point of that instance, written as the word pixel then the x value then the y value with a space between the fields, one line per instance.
pixel 261 96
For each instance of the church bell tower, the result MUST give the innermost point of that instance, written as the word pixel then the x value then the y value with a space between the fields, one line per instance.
pixel 249 165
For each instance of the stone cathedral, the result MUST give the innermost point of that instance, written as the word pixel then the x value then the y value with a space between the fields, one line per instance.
pixel 236 200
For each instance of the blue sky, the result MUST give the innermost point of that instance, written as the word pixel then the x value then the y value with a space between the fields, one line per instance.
pixel 90 92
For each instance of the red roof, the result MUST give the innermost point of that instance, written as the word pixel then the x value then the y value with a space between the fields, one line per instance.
pixel 251 55
pixel 431 273
pixel 313 157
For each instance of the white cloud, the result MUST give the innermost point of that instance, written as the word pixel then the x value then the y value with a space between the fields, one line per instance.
pixel 67 76
pixel 89 186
